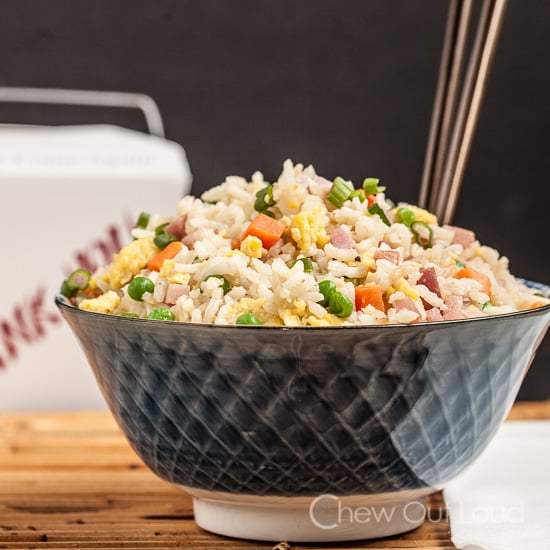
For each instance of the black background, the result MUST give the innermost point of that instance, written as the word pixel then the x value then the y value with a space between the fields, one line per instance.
pixel 345 85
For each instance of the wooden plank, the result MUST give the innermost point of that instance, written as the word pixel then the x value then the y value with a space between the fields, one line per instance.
pixel 70 480
pixel 530 410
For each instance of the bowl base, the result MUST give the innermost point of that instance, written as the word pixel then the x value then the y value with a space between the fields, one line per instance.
pixel 326 518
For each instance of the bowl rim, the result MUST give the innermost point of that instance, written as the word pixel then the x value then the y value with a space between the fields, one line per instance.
pixel 63 303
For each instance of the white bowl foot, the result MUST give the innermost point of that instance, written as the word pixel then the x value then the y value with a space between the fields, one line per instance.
pixel 327 518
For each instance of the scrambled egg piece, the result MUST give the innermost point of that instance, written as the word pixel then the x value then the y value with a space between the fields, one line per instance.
pixel 403 286
pixel 329 320
pixel 234 252
pixel 308 228
pixel 106 303
pixel 168 272
pixel 294 204
pixel 367 260
pixel 248 305
pixel 131 259
pixel 252 247
pixel 251 305
pixel 293 316
pixel 421 214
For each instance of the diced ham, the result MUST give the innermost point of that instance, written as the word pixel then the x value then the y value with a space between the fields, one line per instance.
pixel 462 236
pixel 427 305
pixel 429 280
pixel 406 303
pixel 433 315
pixel 177 227
pixel 174 291
pixel 341 238
pixel 453 314
pixel 275 250
pixel 389 255
pixel 454 303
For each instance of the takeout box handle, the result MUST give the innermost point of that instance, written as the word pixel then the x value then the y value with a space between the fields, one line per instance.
pixel 95 98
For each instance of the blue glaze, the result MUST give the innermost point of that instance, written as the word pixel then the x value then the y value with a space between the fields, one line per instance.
pixel 307 411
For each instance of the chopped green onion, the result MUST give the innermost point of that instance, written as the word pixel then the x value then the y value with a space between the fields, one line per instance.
pixel 162 240
pixel 129 314
pixel 486 304
pixel 340 305
pixel 248 319
pixel 308 264
pixel 405 216
pixel 268 213
pixel 355 281
pixel 161 314
pixel 370 186
pixel 160 228
pixel 77 280
pixel 375 209
pixel 66 290
pixel 327 289
pixel 139 286
pixel 423 234
pixel 264 199
pixel 340 192
pixel 460 264
pixel 142 221
pixel 539 294
pixel 359 193
pixel 224 283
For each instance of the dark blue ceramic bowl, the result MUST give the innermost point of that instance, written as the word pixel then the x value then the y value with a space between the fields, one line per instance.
pixel 235 413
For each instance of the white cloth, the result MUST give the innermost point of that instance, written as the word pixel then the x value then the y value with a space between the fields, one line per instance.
pixel 502 502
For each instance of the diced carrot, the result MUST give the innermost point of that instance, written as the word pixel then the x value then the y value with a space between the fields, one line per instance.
pixel 469 273
pixel 371 199
pixel 166 253
pixel 540 303
pixel 267 229
pixel 369 295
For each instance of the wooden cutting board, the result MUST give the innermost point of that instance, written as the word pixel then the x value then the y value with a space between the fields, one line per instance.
pixel 70 480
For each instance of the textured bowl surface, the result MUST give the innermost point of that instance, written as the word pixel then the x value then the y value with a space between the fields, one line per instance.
pixel 307 411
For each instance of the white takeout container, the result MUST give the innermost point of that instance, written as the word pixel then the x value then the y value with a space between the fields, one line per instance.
pixel 68 196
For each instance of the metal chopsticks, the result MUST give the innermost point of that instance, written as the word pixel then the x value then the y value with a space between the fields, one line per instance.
pixel 455 116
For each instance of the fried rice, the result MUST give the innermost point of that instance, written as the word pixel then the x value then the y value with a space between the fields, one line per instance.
pixel 302 251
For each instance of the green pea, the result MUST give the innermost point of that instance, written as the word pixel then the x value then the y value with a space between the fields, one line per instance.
pixel 162 240
pixel 224 283
pixel 139 286
pixel 327 289
pixel 247 319
pixel 161 314
pixel 340 305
